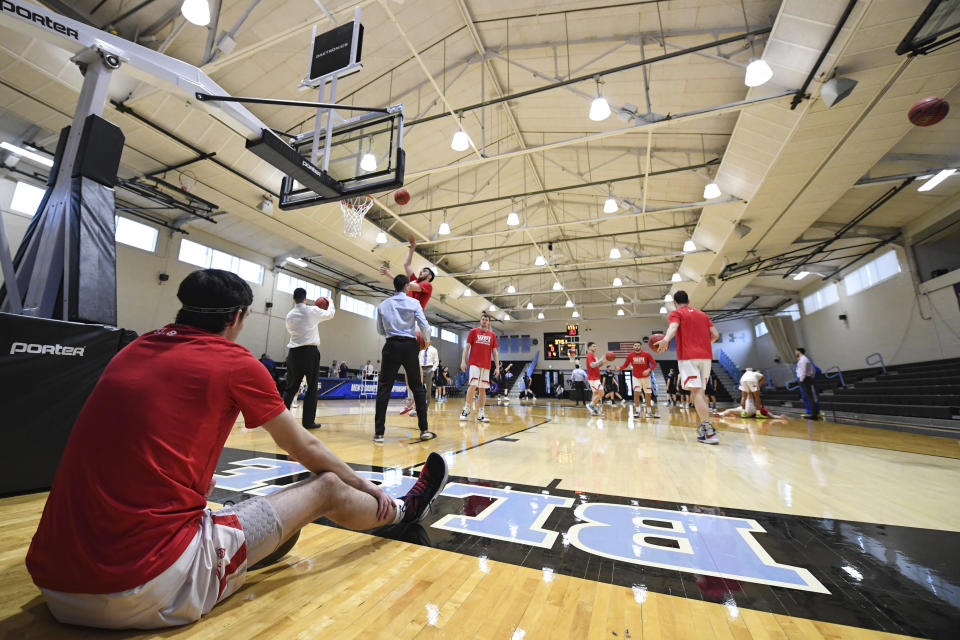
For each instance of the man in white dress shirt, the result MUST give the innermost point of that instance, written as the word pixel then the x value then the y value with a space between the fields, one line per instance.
pixel 429 360
pixel 303 359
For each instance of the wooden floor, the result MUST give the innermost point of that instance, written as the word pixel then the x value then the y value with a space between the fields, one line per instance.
pixel 342 584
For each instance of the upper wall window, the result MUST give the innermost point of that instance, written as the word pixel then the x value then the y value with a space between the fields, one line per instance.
pixel 449 336
pixel 874 272
pixel 203 256
pixel 793 311
pixel 136 234
pixel 760 329
pixel 358 307
pixel 26 198
pixel 288 283
pixel 820 299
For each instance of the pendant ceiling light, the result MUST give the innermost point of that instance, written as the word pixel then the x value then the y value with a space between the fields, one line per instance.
pixel 196 12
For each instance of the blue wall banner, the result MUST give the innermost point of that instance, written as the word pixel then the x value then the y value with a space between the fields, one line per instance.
pixel 351 389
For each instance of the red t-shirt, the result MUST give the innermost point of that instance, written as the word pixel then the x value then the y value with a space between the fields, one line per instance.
pixel 593 373
pixel 693 335
pixel 421 296
pixel 482 343
pixel 129 492
pixel 643 363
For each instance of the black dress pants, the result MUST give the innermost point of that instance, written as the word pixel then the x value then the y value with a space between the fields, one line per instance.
pixel 810 393
pixel 303 361
pixel 400 352
pixel 579 392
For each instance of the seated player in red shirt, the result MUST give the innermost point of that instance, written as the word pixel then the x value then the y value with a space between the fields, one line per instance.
pixel 643 365
pixel 126 539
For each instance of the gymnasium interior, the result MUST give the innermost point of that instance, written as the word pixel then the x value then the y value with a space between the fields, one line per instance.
pixel 564 168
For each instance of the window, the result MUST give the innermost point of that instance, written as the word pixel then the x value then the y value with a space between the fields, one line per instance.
pixel 136 234
pixel 201 256
pixel 760 329
pixel 288 283
pixel 433 331
pixel 822 298
pixel 358 307
pixel 449 336
pixel 26 198
pixel 874 272
pixel 793 311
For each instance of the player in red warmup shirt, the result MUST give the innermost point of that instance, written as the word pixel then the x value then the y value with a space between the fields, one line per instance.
pixel 420 288
pixel 643 365
pixel 126 540
pixel 593 379
pixel 480 347
pixel 695 337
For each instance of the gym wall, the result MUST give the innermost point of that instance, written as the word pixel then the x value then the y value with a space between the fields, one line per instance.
pixel 145 303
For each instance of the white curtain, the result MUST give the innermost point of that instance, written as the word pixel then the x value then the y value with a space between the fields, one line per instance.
pixel 784 336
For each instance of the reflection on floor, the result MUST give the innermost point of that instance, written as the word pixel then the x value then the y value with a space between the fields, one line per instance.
pixel 558 524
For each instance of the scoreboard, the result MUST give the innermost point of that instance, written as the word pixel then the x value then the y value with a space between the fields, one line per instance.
pixel 561 345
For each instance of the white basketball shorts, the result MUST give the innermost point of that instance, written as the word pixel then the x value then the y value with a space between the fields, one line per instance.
pixel 479 377
pixel 596 385
pixel 694 373
pixel 643 383
pixel 211 568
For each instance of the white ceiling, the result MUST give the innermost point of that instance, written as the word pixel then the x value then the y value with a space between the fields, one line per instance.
pixel 787 174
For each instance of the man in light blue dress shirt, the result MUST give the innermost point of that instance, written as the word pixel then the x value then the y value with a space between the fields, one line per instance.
pixel 397 320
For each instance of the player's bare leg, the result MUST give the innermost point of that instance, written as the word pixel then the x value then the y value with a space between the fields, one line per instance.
pixel 482 402
pixel 471 392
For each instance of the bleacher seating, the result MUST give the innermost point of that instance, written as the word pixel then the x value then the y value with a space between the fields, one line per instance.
pixel 920 389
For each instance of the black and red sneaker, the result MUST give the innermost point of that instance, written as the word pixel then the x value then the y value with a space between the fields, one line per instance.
pixel 433 477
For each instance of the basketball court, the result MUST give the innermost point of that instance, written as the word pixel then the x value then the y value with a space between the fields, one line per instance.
pixel 565 169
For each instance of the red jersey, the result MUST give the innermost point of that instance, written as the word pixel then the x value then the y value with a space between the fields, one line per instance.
pixel 693 335
pixel 593 373
pixel 643 363
pixel 129 492
pixel 421 296
pixel 482 343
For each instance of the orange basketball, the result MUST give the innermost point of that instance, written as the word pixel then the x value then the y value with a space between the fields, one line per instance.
pixel 322 302
pixel 401 196
pixel 610 356
pixel 928 111
pixel 654 339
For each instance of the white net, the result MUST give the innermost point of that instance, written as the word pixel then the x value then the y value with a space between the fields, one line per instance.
pixel 354 209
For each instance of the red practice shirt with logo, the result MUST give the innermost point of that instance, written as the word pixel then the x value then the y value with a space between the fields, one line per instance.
pixel 593 373
pixel 693 335
pixel 482 343
pixel 129 492
pixel 643 363
pixel 424 295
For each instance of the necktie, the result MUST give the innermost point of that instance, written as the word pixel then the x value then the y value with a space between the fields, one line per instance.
pixel 424 357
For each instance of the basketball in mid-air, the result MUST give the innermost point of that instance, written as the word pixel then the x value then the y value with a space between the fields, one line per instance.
pixel 928 111
pixel 610 356
pixel 401 196
pixel 654 339
pixel 322 302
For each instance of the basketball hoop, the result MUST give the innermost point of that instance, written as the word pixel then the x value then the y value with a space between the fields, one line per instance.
pixel 354 208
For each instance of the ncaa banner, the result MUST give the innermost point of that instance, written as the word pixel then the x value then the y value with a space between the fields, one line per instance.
pixel 331 388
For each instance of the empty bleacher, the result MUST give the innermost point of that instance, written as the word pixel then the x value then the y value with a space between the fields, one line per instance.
pixel 928 390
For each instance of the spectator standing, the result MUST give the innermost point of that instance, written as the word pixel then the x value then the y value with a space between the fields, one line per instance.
pixel 579 379
pixel 806 375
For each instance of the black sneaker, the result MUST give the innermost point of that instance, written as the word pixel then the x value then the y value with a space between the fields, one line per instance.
pixel 433 477
pixel 427 435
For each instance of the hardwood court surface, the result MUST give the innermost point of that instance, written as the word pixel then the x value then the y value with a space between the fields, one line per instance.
pixel 815 488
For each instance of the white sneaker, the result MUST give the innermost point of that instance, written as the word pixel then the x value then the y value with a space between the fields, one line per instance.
pixel 506 401
pixel 413 412
pixel 464 414
pixel 499 401
pixel 623 403
pixel 482 418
